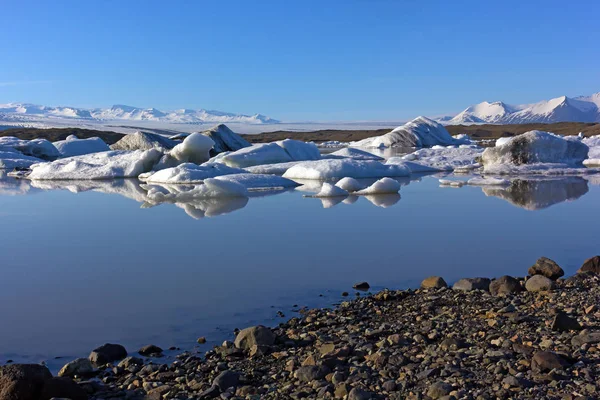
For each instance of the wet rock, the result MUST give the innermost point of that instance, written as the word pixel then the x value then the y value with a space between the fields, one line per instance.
pixel 439 390
pixel 255 335
pixel 107 353
pixel 539 283
pixel 62 388
pixel 433 282
pixel 359 394
pixel 158 393
pixel 586 337
pixel 227 379
pixel 544 361
pixel 591 265
pixel 546 267
pixel 310 373
pixel 563 323
pixel 361 286
pixel 201 340
pixel 150 351
pixel 128 362
pixel 468 284
pixel 505 285
pixel 22 381
pixel 77 367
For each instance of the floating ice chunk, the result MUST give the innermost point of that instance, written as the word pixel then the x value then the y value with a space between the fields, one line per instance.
pixel 415 168
pixel 593 159
pixel 300 151
pixel 351 152
pixel 211 188
pixel 462 138
pixel 11 158
pixel 349 184
pixel 195 148
pixel 442 159
pixel 487 181
pixel 420 132
pixel 273 169
pixel 451 183
pixel 270 153
pixel 73 146
pixel 39 148
pixel 189 173
pixel 502 140
pixel 225 139
pixel 329 190
pixel 328 169
pixel 143 141
pixel 105 165
pixel 382 186
pixel 259 181
pixel 535 152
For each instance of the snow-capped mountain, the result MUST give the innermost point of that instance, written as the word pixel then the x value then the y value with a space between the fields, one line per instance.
pixel 560 109
pixel 21 112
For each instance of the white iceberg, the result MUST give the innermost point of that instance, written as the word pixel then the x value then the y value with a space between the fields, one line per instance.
pixel 420 132
pixel 593 159
pixel 225 139
pixel 351 152
pixel 536 152
pixel 11 158
pixel 73 146
pixel 329 169
pixel 440 159
pixel 273 169
pixel 188 173
pixel 451 183
pixel 349 184
pixel 487 181
pixel 254 182
pixel 143 141
pixel 382 186
pixel 329 190
pixel 270 153
pixel 39 148
pixel 414 168
pixel 195 149
pixel 105 165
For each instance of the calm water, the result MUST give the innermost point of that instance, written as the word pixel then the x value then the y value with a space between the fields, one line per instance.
pixel 87 263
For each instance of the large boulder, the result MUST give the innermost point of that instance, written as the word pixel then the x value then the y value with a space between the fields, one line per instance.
pixel 107 353
pixel 143 141
pixel 433 282
pixel 539 283
pixel 227 379
pixel 255 335
pixel 546 267
pixel 77 367
pixel 64 388
pixel 468 284
pixel 534 151
pixel 591 265
pixel 23 381
pixel 544 361
pixel 505 285
pixel 225 139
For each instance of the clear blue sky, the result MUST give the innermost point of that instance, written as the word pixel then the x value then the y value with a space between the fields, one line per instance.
pixel 298 60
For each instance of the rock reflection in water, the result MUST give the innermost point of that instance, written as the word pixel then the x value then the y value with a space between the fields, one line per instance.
pixel 537 194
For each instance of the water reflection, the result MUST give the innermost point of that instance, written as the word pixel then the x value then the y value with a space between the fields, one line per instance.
pixel 537 194
pixel 383 200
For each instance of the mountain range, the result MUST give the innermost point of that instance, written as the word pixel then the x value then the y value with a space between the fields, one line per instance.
pixel 21 112
pixel 560 109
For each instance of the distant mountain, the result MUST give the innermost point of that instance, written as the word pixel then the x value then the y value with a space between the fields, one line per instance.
pixel 560 109
pixel 22 112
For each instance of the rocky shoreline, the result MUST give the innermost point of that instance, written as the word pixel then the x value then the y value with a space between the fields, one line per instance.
pixel 534 337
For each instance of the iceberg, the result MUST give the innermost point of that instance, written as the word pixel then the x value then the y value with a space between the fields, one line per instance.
pixel 143 141
pixel 593 159
pixel 440 159
pixel 195 149
pixel 351 152
pixel 39 148
pixel 487 181
pixel 225 139
pixel 188 173
pixel 11 159
pixel 382 186
pixel 105 165
pixel 332 168
pixel 349 184
pixel 73 146
pixel 420 132
pixel 536 152
pixel 270 153
pixel 273 169
pixel 329 190
pixel 451 183
pixel 256 182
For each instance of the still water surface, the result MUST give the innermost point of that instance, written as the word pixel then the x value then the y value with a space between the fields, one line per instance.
pixel 84 263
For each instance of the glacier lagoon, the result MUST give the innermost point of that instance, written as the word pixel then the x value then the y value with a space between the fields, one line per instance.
pixel 89 262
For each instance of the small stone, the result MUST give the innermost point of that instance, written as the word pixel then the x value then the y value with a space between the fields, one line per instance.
pixel 158 393
pixel 227 379
pixel 201 340
pixel 359 394
pixel 439 390
pixel 563 323
pixel 539 283
pixel 130 361
pixel 591 265
pixel 468 284
pixel 255 335
pixel 77 367
pixel 361 286
pixel 433 282
pixel 310 373
pixel 544 361
pixel 150 350
pixel 505 285
pixel 546 267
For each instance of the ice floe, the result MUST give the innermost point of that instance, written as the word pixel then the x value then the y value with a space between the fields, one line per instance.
pixel 273 169
pixel 11 158
pixel 73 146
pixel 225 139
pixel 105 165
pixel 536 152
pixel 189 173
pixel 593 159
pixel 334 168
pixel 487 181
pixel 451 183
pixel 440 159
pixel 350 184
pixel 420 132
pixel 39 148
pixel 329 190
pixel 269 153
pixel 254 182
pixel 195 149
pixel 382 186
pixel 144 141
pixel 351 152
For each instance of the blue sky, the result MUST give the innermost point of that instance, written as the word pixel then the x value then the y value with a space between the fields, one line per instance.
pixel 299 60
